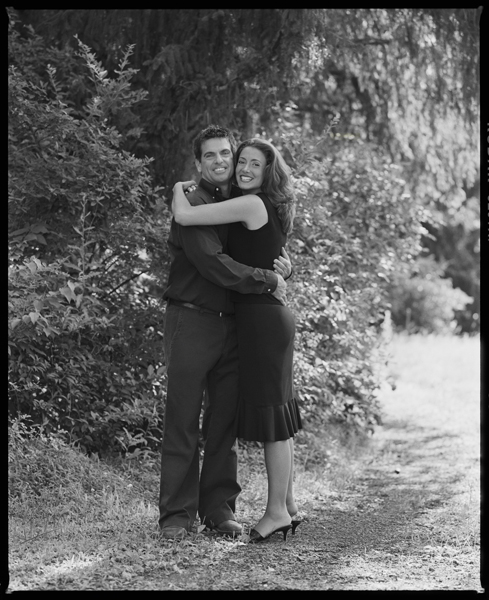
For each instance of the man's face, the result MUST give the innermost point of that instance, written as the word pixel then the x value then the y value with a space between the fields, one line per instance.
pixel 216 164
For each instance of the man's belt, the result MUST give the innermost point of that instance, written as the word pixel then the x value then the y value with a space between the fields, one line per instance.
pixel 199 308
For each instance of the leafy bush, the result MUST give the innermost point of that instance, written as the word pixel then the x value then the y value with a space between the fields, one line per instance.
pixel 85 349
pixel 454 241
pixel 424 302
pixel 355 223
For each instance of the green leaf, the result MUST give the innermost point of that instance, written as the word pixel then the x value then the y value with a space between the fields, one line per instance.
pixel 34 316
pixel 72 266
pixel 52 301
pixel 39 228
pixel 18 232
pixel 68 293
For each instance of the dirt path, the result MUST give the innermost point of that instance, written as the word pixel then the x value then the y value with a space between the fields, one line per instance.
pixel 408 519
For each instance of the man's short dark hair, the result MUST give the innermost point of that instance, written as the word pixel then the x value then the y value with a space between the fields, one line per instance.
pixel 211 132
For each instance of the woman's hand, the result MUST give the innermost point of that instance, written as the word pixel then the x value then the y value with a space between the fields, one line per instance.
pixel 282 265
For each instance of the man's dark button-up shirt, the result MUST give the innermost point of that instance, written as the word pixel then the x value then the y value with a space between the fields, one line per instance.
pixel 200 272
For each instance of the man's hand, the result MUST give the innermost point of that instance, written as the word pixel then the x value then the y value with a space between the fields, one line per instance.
pixel 282 265
pixel 281 290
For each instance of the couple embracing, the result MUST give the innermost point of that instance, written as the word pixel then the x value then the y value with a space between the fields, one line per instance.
pixel 229 333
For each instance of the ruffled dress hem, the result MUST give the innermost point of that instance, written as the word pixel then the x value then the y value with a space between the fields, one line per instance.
pixel 268 423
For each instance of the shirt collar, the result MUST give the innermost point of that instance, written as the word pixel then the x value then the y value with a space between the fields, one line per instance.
pixel 215 191
pixel 211 189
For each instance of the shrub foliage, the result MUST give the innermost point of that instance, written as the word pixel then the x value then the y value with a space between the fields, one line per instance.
pixel 355 222
pixel 84 334
pixel 424 302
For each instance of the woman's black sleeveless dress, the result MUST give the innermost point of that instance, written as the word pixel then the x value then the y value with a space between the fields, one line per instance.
pixel 268 408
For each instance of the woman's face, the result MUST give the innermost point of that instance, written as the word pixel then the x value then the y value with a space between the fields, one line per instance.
pixel 250 170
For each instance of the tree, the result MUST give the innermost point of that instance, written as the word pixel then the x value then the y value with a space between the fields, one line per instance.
pixel 404 78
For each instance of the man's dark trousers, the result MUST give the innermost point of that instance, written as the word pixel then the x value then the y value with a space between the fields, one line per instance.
pixel 201 352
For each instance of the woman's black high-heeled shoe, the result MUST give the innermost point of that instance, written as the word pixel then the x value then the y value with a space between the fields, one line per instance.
pixel 296 521
pixel 256 537
pixel 294 524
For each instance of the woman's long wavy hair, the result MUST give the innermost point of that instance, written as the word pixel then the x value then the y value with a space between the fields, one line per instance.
pixel 277 183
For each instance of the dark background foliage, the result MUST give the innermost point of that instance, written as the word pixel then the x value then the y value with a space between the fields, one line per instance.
pixel 375 110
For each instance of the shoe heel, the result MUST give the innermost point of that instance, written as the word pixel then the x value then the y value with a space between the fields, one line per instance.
pixel 285 530
pixel 294 525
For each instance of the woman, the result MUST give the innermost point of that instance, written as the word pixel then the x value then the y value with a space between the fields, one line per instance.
pixel 268 410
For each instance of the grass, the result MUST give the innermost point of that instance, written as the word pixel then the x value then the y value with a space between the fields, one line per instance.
pixel 82 523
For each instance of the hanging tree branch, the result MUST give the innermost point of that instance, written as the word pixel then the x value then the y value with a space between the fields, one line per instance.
pixel 124 283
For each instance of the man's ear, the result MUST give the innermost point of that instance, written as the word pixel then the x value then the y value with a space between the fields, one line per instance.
pixel 198 165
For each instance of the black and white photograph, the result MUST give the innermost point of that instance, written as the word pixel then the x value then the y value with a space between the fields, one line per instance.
pixel 245 343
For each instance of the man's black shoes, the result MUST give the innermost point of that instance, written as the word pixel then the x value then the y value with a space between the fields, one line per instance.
pixel 230 528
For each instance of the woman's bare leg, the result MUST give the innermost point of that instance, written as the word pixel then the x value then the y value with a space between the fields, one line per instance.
pixel 278 464
pixel 290 501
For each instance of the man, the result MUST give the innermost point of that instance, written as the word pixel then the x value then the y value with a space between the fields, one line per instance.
pixel 201 354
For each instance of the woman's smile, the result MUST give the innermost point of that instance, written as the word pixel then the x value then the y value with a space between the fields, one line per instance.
pixel 250 169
